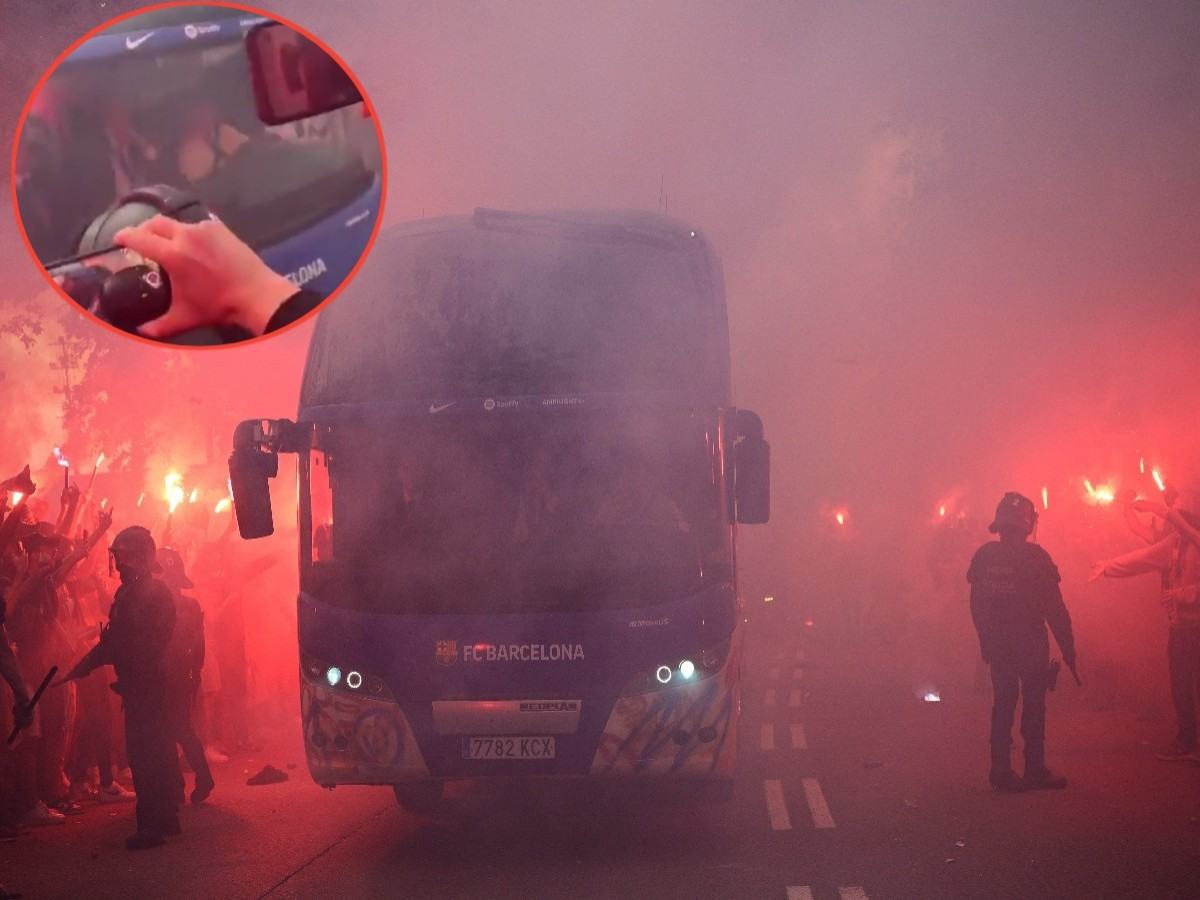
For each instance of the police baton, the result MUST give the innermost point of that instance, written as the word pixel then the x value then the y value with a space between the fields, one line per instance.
pixel 37 695
pixel 1074 673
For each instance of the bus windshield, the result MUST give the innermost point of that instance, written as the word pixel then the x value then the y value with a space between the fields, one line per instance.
pixel 537 514
pixel 181 113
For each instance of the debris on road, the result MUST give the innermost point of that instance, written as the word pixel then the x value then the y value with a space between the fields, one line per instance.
pixel 267 775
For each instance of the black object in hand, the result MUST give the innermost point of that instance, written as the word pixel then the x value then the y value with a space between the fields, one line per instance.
pixel 134 296
pixel 32 703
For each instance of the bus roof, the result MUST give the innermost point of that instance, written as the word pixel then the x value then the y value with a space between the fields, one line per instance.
pixel 157 31
pixel 516 304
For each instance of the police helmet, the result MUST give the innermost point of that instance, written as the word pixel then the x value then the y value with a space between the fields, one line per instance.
pixel 1015 512
pixel 172 568
pixel 135 547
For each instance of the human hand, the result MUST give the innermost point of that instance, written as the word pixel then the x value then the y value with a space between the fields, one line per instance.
pixel 1149 506
pixel 103 520
pixel 1098 571
pixel 216 279
pixel 22 713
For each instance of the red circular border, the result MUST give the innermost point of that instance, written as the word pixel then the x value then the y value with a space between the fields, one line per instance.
pixel 58 61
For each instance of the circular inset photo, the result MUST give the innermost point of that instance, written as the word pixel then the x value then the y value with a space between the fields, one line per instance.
pixel 198 174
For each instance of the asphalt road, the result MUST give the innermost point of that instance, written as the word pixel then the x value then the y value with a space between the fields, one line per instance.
pixel 849 787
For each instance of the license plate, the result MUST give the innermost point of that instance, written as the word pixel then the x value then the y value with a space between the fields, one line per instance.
pixel 508 748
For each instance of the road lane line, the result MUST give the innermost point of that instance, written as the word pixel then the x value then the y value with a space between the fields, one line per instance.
pixel 768 736
pixel 776 807
pixel 797 674
pixel 775 674
pixel 799 740
pixel 794 697
pixel 852 893
pixel 770 696
pixel 822 818
pixel 799 892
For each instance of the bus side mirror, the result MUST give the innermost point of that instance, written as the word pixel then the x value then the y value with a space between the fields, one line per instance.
pixel 751 470
pixel 752 481
pixel 252 464
pixel 293 77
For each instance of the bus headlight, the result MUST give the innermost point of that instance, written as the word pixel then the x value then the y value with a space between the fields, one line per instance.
pixel 343 679
pixel 684 671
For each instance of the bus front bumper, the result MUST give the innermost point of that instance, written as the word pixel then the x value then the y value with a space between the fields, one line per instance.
pixel 689 732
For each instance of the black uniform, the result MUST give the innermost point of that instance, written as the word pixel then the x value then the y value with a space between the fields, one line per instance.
pixel 184 659
pixel 135 644
pixel 1014 595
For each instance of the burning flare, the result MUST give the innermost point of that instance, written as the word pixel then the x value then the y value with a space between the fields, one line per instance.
pixel 194 496
pixel 173 490
pixel 223 505
pixel 1158 479
pixel 1100 496
pixel 1045 497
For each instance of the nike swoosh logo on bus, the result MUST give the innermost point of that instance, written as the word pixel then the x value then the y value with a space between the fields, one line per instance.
pixel 132 43
pixel 438 407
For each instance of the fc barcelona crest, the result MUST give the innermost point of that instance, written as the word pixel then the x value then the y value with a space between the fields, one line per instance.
pixel 446 652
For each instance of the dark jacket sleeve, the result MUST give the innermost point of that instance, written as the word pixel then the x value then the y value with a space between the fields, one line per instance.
pixel 1054 609
pixel 99 655
pixel 295 307
pixel 980 611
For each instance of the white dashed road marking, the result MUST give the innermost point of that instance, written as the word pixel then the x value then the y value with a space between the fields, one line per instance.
pixel 776 807
pixel 799 740
pixel 768 736
pixel 822 818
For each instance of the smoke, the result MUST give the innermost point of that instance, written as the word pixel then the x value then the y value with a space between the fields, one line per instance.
pixel 959 237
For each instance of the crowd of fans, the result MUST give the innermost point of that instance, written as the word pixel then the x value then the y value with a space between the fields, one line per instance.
pixel 56 590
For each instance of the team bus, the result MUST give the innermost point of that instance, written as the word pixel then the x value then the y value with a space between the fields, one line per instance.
pixel 520 473
pixel 169 97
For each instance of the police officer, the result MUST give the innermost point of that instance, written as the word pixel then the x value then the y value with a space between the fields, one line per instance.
pixel 134 644
pixel 185 658
pixel 1014 595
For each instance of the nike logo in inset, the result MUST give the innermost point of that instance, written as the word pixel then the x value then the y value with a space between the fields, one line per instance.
pixel 438 407
pixel 132 43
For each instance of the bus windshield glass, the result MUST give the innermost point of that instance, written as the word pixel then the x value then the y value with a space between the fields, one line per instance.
pixel 486 311
pixel 560 513
pixel 146 108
